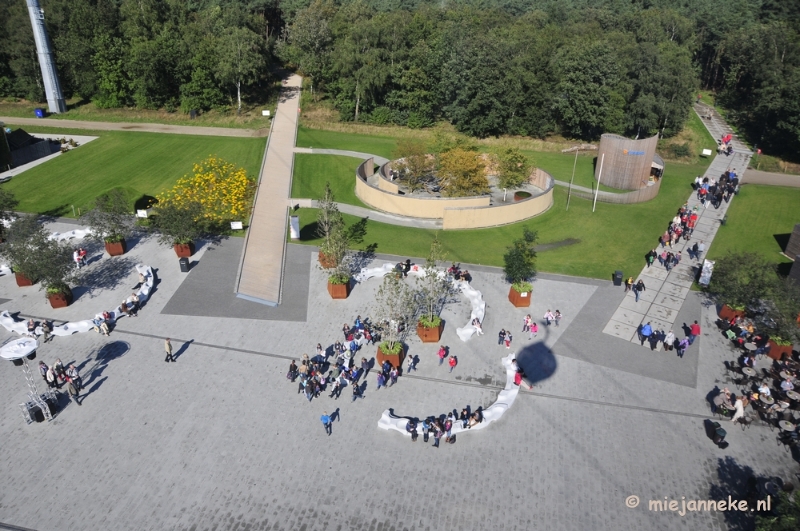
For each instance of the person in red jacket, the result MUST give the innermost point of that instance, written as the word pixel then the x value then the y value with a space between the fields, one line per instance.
pixel 453 362
pixel 694 331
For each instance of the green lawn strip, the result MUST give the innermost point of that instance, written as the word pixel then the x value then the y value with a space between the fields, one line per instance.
pixel 614 237
pixel 559 165
pixel 316 138
pixel 141 163
pixel 311 172
pixel 760 220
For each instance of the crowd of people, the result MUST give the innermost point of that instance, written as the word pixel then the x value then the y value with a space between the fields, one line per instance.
pixel 56 376
pixel 725 145
pixel 710 190
pixel 442 425
pixel 647 334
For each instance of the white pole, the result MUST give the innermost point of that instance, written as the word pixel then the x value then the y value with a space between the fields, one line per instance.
pixel 599 176
pixel 569 193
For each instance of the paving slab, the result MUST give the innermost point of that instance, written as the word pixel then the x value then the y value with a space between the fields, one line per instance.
pixel 662 313
pixel 629 317
pixel 675 290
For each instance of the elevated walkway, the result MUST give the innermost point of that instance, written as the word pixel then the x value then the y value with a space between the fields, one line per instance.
pixel 261 271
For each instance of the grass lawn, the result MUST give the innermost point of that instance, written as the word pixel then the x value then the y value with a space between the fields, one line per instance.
pixel 141 163
pixel 760 219
pixel 614 237
pixel 317 138
pixel 312 171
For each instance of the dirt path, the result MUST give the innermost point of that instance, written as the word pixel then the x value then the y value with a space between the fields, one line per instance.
pixel 769 178
pixel 140 127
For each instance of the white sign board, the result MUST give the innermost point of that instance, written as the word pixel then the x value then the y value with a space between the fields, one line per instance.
pixel 236 225
pixel 141 213
pixel 294 227
pixel 264 113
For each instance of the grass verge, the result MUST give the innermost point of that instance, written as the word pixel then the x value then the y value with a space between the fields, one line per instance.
pixel 311 172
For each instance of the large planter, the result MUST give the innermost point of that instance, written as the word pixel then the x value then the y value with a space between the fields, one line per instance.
pixel 60 300
pixel 430 335
pixel 396 360
pixel 116 248
pixel 184 250
pixel 520 300
pixel 519 196
pixel 325 261
pixel 728 313
pixel 22 280
pixel 777 352
pixel 339 291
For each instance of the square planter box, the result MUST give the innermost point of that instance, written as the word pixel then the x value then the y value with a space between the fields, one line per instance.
pixel 520 300
pixel 60 300
pixel 728 313
pixel 184 250
pixel 22 280
pixel 116 248
pixel 339 291
pixel 396 360
pixel 430 335
pixel 777 352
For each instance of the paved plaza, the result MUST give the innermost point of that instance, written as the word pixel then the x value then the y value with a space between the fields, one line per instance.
pixel 221 440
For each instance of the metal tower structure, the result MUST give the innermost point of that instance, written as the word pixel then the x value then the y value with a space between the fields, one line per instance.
pixel 52 89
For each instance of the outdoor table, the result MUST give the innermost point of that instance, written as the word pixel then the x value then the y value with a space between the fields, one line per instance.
pixel 750 372
pixel 793 395
pixel 785 375
pixel 786 425
pixel 750 346
pixel 767 399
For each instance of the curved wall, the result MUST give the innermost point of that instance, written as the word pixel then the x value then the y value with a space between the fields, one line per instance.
pixel 626 163
pixel 455 212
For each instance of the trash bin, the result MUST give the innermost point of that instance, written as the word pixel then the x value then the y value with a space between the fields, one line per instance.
pixel 617 277
pixel 39 112
pixel 193 114
pixel 184 264
pixel 719 433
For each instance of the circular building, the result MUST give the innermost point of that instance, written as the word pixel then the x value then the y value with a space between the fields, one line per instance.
pixel 628 164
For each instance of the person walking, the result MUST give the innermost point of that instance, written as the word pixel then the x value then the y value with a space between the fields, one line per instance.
pixel 292 374
pixel 364 367
pixel 548 317
pixel 74 377
pixel 336 392
pixel 558 317
pixel 426 428
pixel 326 422
pixel 437 433
pixel 694 331
pixel 168 350
pixel 51 379
pixel 453 362
pixel 43 368
pixel 412 364
pixel 669 341
pixel 638 289
pixel 508 339
pixel 72 392
pixel 46 331
pixel 526 323
pixel 501 336
pixel 629 283
pixel 381 381
pixel 701 248
pixel 356 392
pixel 644 332
pixel 534 331
pixel 682 346
pixel 442 354
pixel 393 376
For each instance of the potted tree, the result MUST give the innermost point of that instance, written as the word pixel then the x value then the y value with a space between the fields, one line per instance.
pixel 433 288
pixel 395 307
pixel 520 268
pixel 178 226
pixel 329 221
pixel 55 271
pixel 740 280
pixel 111 220
pixel 19 248
pixel 338 273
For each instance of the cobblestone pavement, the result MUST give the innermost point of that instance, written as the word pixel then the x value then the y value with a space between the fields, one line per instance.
pixel 221 440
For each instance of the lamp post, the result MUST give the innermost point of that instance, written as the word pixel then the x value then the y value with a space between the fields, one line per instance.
pixel 599 176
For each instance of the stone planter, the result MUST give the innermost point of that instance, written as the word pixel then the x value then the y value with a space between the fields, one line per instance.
pixel 520 300
pixel 325 261
pixel 339 291
pixel 777 352
pixel 396 360
pixel 22 280
pixel 184 250
pixel 430 335
pixel 728 313
pixel 60 300
pixel 116 248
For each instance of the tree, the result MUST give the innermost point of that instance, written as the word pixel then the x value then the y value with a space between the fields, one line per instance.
pixel 111 220
pixel 223 191
pixel 19 248
pixel 514 168
pixel 308 40
pixel 520 261
pixel 742 280
pixel 413 162
pixel 395 307
pixel 55 265
pixel 330 227
pixel 433 287
pixel 8 202
pixel 178 223
pixel 783 310
pixel 786 516
pixel 241 60
pixel 462 173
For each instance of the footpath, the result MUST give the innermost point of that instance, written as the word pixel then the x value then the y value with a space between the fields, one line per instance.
pixel 137 127
pixel 665 290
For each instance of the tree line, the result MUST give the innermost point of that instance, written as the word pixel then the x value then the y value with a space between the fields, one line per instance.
pixel 528 67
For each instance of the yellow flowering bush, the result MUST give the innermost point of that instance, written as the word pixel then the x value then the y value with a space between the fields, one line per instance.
pixel 222 190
